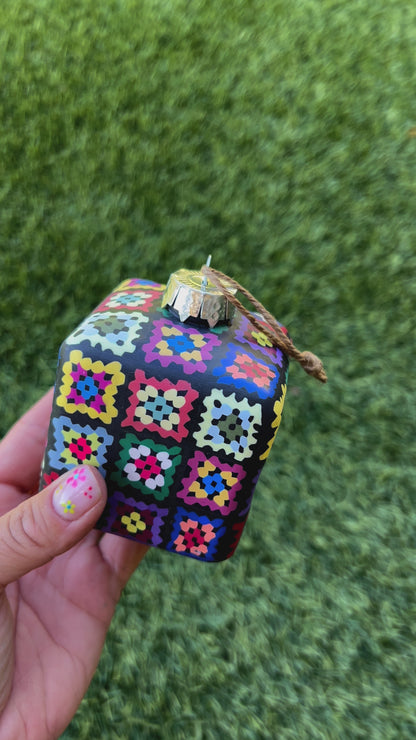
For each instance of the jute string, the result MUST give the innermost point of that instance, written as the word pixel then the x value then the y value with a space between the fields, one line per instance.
pixel 310 362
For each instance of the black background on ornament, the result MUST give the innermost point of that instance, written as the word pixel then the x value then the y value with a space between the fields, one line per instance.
pixel 203 383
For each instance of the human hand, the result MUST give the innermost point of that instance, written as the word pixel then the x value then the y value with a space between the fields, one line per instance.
pixel 59 584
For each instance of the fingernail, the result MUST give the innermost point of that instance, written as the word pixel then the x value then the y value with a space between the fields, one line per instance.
pixel 77 493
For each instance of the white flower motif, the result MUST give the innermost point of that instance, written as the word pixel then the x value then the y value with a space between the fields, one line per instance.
pixel 132 472
pixel 165 462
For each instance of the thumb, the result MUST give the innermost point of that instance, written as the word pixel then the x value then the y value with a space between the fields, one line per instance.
pixel 51 522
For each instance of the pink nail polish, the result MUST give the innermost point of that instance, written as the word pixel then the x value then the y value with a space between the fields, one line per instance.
pixel 77 493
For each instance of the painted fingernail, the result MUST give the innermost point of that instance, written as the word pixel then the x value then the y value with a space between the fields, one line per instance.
pixel 77 493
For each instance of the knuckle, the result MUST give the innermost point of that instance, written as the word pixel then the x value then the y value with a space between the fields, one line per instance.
pixel 27 540
pixel 27 528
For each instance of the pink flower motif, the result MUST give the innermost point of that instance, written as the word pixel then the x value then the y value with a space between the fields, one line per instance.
pixel 76 478
pixel 247 367
pixel 185 526
pixel 208 531
pixel 243 370
pixel 196 535
pixel 199 550
pixel 179 542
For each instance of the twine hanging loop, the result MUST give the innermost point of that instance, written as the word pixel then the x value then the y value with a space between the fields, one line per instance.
pixel 310 362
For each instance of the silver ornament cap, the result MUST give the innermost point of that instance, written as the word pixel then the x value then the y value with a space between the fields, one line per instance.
pixel 191 296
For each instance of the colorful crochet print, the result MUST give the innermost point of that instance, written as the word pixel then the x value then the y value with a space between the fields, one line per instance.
pixel 178 417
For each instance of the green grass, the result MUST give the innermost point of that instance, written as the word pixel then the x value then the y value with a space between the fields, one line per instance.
pixel 137 137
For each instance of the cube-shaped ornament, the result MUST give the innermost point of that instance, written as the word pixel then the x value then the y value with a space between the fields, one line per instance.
pixel 176 398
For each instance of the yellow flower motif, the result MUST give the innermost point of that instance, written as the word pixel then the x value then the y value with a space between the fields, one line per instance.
pixel 164 349
pixel 278 410
pixel 163 345
pixel 133 523
pixel 205 469
pixel 229 477
pixel 261 339
pixel 189 356
pixel 221 497
pixel 68 506
pixel 197 340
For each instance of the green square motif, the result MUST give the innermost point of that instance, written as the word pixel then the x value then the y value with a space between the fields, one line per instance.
pixel 146 466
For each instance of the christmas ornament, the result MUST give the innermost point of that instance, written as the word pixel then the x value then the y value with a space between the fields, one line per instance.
pixel 175 394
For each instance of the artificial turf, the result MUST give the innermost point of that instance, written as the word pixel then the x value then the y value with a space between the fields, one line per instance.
pixel 137 137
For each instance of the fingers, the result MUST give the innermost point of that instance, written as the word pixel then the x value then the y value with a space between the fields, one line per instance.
pixel 122 555
pixel 21 453
pixel 51 522
pixel 22 449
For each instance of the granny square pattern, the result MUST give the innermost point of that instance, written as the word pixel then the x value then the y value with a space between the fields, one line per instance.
pixel 181 345
pixel 249 334
pixel 212 484
pixel 138 285
pixel 160 406
pixel 146 465
pixel 196 536
pixel 132 295
pixel 179 418
pixel 114 331
pixel 137 520
pixel 278 411
pixel 90 387
pixel 229 424
pixel 77 444
pixel 243 369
